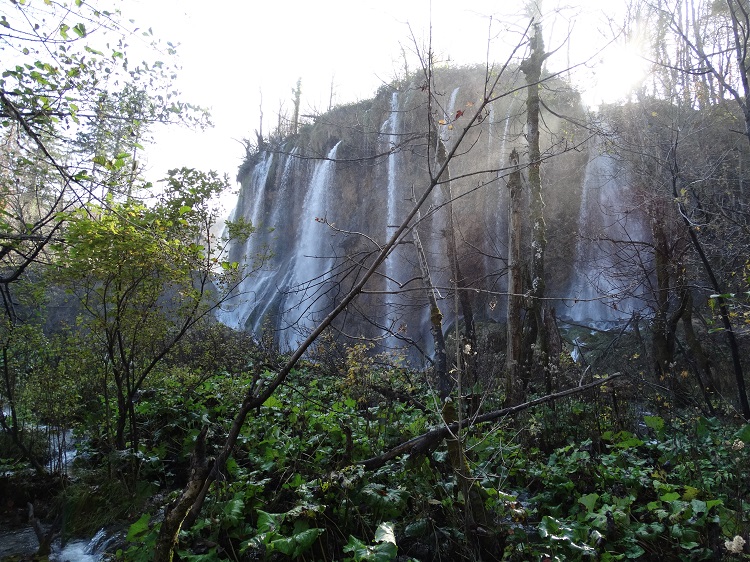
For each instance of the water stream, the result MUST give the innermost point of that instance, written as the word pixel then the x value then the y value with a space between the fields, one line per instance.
pixel 23 543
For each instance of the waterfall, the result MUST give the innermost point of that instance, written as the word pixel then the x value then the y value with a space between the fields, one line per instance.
pixel 391 132
pixel 496 221
pixel 606 249
pixel 310 270
pixel 264 288
pixel 236 311
pixel 373 180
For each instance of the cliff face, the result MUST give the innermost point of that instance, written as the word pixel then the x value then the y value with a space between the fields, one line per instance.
pixel 325 200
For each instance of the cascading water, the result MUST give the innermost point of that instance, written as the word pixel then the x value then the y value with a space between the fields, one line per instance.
pixel 291 292
pixel 609 234
pixel 496 218
pixel 236 311
pixel 262 285
pixel 312 267
pixel 391 136
pixel 85 550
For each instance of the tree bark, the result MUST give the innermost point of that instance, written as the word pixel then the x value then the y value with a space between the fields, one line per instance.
pixel 532 69
pixel 440 363
pixel 176 512
pixel 514 324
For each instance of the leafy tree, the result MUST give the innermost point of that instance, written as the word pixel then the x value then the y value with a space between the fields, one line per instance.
pixel 144 276
pixel 65 139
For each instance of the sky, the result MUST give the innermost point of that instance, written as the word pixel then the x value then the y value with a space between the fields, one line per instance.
pixel 235 51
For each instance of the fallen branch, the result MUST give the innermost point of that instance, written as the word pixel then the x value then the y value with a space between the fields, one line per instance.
pixel 432 438
pixel 45 538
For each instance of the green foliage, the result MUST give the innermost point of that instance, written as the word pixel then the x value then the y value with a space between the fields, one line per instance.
pixel 672 491
pixel 383 550
pixel 656 498
pixel 144 275
pixel 74 111
pixel 141 538
pixel 270 537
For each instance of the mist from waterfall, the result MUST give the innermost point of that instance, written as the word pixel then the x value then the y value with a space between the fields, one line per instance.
pixel 609 233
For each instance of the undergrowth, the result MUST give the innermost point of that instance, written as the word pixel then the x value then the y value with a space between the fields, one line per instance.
pixel 573 481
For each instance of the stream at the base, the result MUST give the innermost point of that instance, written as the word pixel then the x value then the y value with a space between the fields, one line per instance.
pixel 23 542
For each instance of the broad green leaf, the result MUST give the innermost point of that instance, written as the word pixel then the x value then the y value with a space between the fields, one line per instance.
pixel 273 402
pixel 589 501
pixel 269 522
pixel 629 443
pixel 138 528
pixel 418 528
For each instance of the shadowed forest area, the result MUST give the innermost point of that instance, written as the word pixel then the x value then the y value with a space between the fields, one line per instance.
pixel 468 318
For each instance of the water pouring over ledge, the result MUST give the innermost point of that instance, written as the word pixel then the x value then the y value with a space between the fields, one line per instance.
pixel 370 186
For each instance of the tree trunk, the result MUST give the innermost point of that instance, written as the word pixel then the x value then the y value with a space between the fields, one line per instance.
pixel 720 300
pixel 703 365
pixel 514 325
pixel 297 97
pixel 176 512
pixel 459 282
pixel 532 69
pixel 440 364
pixel 741 30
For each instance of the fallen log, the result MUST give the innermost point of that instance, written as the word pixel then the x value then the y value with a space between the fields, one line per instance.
pixel 431 439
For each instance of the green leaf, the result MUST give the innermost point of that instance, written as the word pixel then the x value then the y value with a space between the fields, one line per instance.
pixel 418 528
pixel 296 545
pixel 629 443
pixel 80 30
pixel 654 422
pixel 64 31
pixel 269 522
pixel 273 402
pixel 743 434
pixel 233 509
pixel 138 528
pixel 589 501
pixel 634 552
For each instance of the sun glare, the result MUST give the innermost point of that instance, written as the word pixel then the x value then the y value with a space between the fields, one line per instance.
pixel 617 74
